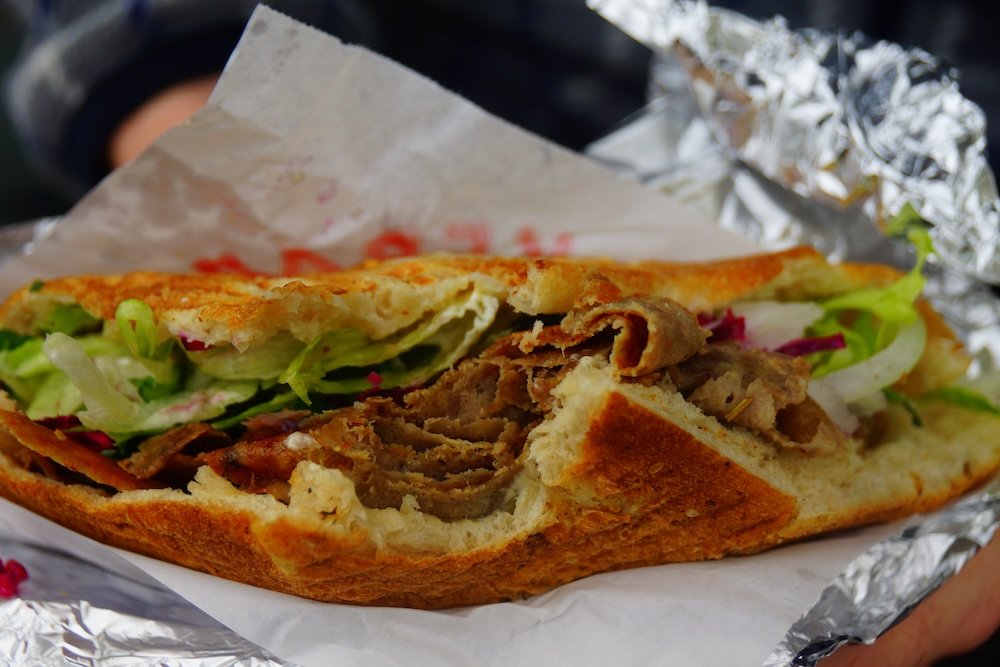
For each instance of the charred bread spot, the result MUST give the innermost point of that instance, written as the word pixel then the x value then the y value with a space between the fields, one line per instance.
pixel 626 442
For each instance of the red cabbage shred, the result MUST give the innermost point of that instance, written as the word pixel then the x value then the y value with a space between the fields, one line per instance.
pixel 12 574
pixel 801 346
pixel 728 327
pixel 96 440
pixel 61 422
pixel 193 344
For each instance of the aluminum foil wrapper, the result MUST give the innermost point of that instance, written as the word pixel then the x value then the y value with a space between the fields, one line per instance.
pixel 886 582
pixel 72 612
pixel 806 137
pixel 785 137
pixel 868 128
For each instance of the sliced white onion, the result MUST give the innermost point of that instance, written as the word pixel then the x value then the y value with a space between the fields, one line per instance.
pixel 770 324
pixel 835 407
pixel 857 384
pixel 871 404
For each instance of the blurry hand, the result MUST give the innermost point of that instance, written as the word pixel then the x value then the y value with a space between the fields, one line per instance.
pixel 161 112
pixel 956 618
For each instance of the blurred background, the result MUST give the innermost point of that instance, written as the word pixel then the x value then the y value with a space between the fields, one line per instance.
pixel 77 71
pixel 79 75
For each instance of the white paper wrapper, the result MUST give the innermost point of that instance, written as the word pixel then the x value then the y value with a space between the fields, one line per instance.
pixel 666 615
pixel 309 147
pixel 310 153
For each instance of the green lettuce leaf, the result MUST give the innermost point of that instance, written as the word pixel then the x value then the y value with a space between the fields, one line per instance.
pixel 12 361
pixel 265 361
pixel 904 401
pixel 137 328
pixel 964 397
pixel 114 405
pixel 10 340
pixel 870 318
pixel 452 330
pixel 69 318
pixel 25 367
pixel 55 396
pixel 280 401
pixel 105 403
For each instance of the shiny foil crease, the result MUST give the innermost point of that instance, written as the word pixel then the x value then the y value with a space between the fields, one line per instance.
pixel 882 585
pixel 804 137
pixel 72 612
pixel 863 128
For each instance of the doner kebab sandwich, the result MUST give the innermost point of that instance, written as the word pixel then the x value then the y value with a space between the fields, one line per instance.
pixel 455 430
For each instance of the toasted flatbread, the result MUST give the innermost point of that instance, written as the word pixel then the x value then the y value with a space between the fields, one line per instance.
pixel 475 487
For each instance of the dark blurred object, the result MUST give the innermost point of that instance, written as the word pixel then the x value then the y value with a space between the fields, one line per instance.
pixel 85 65
pixel 552 66
pixel 22 194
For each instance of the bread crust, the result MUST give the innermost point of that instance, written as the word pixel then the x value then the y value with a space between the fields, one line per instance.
pixel 665 497
pixel 541 285
pixel 631 479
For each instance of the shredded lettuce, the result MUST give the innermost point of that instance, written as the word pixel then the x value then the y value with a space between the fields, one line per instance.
pixel 907 219
pixel 435 354
pixel 137 328
pixel 323 354
pixel 871 318
pixel 106 405
pixel 903 400
pixel 265 361
pixel 279 401
pixel 452 330
pixel 114 405
pixel 24 368
pixel 56 396
pixel 69 318
pixel 965 397
pixel 192 405
pixel 12 360
pixel 11 340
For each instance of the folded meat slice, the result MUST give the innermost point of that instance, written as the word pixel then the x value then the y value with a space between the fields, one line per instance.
pixel 651 333
pixel 155 454
pixel 56 446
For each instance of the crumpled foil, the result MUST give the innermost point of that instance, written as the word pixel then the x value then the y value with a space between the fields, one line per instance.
pixel 73 612
pixel 866 128
pixel 915 562
pixel 758 126
pixel 805 137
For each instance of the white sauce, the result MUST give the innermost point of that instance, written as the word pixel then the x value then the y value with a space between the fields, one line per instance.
pixel 299 440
